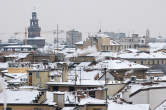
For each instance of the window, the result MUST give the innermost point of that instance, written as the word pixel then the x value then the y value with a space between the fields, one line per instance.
pixel 30 74
pixel 37 75
pixel 37 109
pixel 51 78
pixel 107 48
pixel 153 61
pixel 29 49
pixel 55 88
pixel 92 94
pixel 98 109
pixel 142 41
pixel 71 88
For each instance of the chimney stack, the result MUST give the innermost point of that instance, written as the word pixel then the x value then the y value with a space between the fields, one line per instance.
pixel 65 72
pixel 59 99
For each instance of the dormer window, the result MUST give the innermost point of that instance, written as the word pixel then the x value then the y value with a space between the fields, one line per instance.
pixel 51 78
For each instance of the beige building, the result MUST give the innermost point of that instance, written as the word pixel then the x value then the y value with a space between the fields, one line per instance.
pixel 148 59
pixel 18 67
pixel 40 77
pixel 102 43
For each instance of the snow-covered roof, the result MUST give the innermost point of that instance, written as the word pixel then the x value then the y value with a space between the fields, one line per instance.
pixel 83 75
pixel 27 87
pixel 68 50
pixel 154 71
pixel 157 55
pixel 162 78
pixel 120 64
pixel 5 71
pixel 36 38
pixel 16 75
pixel 90 100
pixel 68 108
pixel 162 106
pixel 112 42
pixel 159 86
pixel 103 54
pixel 116 106
pixel 83 64
pixel 4 65
pixel 80 43
pixel 100 35
pixel 82 52
pixel 13 96
pixel 18 46
pixel 18 78
pixel 18 55
pixel 132 50
pixel 157 46
pixel 135 87
pixel 24 97
pixel 78 83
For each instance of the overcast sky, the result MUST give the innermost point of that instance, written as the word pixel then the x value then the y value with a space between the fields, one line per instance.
pixel 130 16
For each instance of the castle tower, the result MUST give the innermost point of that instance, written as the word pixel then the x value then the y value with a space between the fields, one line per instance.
pixel 34 32
pixel 34 29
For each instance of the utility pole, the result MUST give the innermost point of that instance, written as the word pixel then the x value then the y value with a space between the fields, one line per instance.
pixel 72 38
pixel 75 92
pixel 106 98
pixel 54 32
pixel 105 72
pixel 80 75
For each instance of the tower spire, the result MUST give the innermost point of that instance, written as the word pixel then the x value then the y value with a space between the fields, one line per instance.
pixel 147 36
pixel 147 33
pixel 100 28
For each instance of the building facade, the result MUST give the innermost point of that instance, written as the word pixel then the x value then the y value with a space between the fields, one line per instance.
pixel 102 43
pixel 73 37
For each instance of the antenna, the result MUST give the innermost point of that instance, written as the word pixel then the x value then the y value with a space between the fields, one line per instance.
pixel 54 32
pixel 129 34
pixel 72 38
pixel 57 37
pixel 34 8
pixel 26 36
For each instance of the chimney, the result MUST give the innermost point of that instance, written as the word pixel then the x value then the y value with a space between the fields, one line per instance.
pixel 65 72
pixel 59 99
